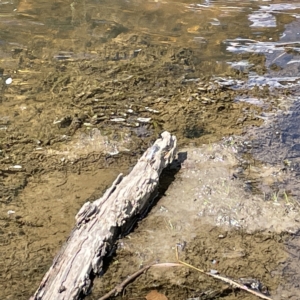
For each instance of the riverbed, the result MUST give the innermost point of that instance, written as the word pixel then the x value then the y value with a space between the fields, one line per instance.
pixel 88 86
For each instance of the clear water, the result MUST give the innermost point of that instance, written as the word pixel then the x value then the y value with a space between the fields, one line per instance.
pixel 260 39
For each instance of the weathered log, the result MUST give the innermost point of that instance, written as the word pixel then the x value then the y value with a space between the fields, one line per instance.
pixel 98 224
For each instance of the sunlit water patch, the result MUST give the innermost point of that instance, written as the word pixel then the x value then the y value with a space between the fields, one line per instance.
pixel 281 55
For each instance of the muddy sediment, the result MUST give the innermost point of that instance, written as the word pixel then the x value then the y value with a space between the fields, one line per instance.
pixel 71 121
pixel 248 259
pixel 274 149
pixel 83 118
pixel 215 222
pixel 98 104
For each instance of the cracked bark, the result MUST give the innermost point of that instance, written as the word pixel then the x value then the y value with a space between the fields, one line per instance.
pixel 98 224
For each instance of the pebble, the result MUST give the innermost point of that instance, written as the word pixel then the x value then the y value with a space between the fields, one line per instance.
pixel 8 81
pixel 144 120
pixel 16 167
pixel 118 120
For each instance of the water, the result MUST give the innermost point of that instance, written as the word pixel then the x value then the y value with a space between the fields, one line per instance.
pixel 86 86
pixel 83 26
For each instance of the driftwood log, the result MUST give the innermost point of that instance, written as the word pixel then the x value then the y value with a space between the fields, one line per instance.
pixel 98 225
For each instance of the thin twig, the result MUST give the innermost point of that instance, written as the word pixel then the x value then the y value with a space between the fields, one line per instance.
pixel 224 279
pixel 120 287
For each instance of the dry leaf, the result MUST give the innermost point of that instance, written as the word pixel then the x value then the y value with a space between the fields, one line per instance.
pixel 155 295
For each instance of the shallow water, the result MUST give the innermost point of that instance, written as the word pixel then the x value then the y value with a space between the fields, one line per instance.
pixel 86 86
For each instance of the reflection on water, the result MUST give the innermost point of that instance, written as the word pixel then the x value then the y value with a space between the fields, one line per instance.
pixel 82 26
pixel 215 30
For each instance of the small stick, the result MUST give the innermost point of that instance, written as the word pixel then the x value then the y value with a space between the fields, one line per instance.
pixel 227 280
pixel 120 287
